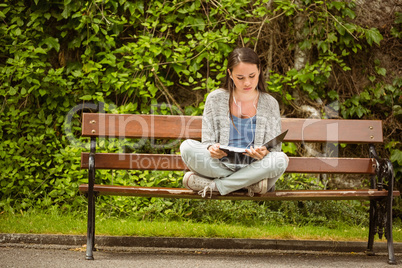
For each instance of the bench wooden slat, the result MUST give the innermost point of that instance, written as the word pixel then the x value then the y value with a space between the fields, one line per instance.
pixel 174 162
pixel 361 194
pixel 189 127
pixel 141 126
pixel 329 130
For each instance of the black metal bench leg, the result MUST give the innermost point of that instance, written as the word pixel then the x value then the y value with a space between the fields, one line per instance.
pixel 388 233
pixel 91 203
pixel 91 226
pixel 372 231
pixel 384 170
pixel 390 240
pixel 93 223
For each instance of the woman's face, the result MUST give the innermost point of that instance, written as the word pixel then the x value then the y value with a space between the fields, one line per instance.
pixel 245 77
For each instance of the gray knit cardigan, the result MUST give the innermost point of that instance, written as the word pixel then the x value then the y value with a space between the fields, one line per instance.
pixel 216 119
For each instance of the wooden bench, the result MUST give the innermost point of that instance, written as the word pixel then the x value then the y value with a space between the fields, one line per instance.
pixel 368 132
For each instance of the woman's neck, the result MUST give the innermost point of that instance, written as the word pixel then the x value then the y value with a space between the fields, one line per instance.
pixel 246 96
pixel 246 106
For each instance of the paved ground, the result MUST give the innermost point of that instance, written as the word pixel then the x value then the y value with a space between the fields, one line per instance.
pixel 33 255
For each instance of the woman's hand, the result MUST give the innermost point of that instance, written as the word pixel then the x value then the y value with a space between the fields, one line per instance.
pixel 216 152
pixel 258 152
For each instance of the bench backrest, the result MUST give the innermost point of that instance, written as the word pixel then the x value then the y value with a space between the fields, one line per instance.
pixel 185 127
pixel 189 127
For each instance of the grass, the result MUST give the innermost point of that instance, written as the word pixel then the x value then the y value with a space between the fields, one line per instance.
pixel 56 223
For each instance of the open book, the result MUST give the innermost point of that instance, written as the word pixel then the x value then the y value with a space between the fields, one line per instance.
pixel 229 150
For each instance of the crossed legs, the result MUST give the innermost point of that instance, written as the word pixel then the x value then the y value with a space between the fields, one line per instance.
pixel 198 159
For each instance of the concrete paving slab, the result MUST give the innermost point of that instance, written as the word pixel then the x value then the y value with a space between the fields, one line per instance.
pixel 205 243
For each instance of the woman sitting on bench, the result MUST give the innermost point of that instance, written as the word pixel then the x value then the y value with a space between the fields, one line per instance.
pixel 243 115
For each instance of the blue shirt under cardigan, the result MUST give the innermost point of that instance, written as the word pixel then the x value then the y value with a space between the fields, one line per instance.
pixel 242 132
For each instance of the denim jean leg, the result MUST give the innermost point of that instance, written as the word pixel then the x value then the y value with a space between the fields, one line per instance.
pixel 198 159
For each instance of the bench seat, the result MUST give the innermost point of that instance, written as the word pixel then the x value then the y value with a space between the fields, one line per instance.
pixel 164 192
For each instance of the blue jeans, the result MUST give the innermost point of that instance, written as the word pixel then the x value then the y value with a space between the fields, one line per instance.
pixel 229 178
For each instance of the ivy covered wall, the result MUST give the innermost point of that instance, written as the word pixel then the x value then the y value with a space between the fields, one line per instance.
pixel 57 58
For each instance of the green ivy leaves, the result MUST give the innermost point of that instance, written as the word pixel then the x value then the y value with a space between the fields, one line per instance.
pixel 373 35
